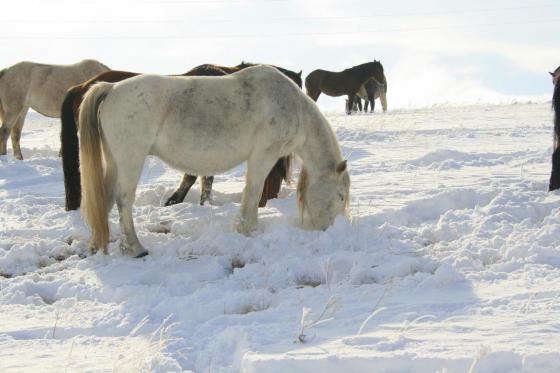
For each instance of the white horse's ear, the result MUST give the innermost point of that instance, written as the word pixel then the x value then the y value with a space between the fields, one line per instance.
pixel 341 167
pixel 300 73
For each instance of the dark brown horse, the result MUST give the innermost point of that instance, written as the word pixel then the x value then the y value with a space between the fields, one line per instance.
pixel 555 174
pixel 70 146
pixel 347 82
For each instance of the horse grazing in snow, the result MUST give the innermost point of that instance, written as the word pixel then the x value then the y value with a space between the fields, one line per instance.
pixel 555 174
pixel 346 82
pixel 262 116
pixel 40 87
pixel 70 146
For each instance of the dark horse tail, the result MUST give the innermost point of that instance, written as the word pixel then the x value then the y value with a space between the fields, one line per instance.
pixel 273 183
pixel 555 175
pixel 70 150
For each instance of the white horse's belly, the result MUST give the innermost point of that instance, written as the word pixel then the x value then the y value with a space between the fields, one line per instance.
pixel 201 160
pixel 207 154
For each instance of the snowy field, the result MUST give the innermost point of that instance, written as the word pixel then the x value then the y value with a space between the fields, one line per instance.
pixel 451 261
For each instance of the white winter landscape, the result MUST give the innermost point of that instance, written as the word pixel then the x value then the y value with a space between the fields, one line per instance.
pixel 450 262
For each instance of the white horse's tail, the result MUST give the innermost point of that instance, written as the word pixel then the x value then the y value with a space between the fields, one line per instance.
pixel 95 206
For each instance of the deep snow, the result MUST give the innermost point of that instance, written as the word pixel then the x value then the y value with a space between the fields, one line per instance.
pixel 450 262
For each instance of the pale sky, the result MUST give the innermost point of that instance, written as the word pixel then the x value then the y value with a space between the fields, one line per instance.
pixel 433 51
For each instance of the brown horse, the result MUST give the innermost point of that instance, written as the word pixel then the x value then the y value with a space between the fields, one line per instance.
pixel 70 146
pixel 346 82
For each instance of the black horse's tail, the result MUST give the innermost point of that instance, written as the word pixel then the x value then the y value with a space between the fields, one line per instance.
pixel 281 171
pixel 70 150
pixel 555 174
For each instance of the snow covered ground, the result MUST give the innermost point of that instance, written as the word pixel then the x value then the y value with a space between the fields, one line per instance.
pixel 451 262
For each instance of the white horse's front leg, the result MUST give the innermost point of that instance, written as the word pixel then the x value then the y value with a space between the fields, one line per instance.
pixel 16 135
pixel 8 123
pixel 257 170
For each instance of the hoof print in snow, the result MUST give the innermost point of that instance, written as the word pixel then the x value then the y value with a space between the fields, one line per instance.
pixel 237 263
pixel 159 228
pixel 308 281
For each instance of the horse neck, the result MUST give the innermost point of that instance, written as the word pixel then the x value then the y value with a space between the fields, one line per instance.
pixel 320 152
pixel 556 107
pixel 363 72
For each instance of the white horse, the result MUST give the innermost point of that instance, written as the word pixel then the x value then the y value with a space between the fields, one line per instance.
pixel 204 126
pixel 40 87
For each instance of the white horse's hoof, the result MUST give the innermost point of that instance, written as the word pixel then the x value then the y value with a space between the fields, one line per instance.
pixel 142 254
pixel 241 226
pixel 135 251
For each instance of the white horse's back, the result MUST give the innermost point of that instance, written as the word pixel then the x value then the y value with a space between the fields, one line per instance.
pixel 206 125
pixel 42 86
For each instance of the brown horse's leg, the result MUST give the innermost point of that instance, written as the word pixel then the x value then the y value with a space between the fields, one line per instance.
pixel 351 98
pixel 371 97
pixel 206 189
pixel 359 103
pixel 179 195
pixel 273 182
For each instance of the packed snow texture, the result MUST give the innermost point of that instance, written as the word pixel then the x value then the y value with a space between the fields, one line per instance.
pixel 450 262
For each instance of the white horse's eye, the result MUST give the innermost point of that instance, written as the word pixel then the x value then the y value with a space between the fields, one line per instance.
pixel 341 196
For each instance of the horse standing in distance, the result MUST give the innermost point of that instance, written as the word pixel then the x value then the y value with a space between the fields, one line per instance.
pixel 40 87
pixel 555 174
pixel 346 82
pixel 70 146
pixel 371 88
pixel 263 116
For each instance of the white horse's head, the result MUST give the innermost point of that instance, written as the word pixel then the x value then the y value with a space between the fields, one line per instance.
pixel 321 199
pixel 555 76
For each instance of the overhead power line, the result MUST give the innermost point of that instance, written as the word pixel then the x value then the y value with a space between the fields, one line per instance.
pixel 276 35
pixel 276 19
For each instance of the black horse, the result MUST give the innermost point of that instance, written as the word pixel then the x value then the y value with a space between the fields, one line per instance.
pixel 555 174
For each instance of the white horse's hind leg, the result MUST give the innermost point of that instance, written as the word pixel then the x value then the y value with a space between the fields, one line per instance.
pixel 125 193
pixel 16 134
pixel 257 170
